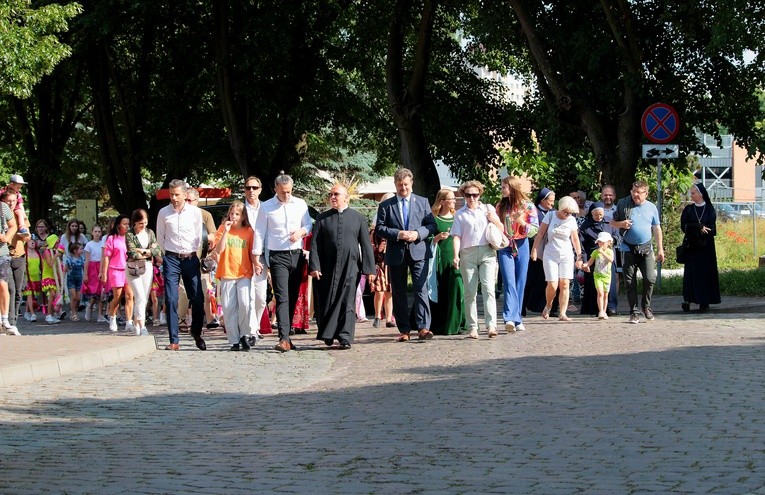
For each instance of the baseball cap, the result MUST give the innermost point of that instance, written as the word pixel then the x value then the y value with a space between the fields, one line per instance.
pixel 605 237
pixel 17 179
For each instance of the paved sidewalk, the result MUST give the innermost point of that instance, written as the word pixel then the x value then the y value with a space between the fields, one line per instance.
pixel 676 405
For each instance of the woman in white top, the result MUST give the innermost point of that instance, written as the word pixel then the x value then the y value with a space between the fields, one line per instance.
pixel 475 258
pixel 559 231
pixel 72 234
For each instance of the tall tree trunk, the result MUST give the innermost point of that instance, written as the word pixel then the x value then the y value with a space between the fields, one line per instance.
pixel 120 147
pixel 45 123
pixel 235 110
pixel 406 99
pixel 614 139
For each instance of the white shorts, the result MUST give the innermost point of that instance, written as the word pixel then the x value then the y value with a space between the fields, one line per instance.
pixel 556 270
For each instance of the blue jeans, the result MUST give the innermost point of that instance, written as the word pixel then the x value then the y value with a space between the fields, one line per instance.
pixel 173 269
pixel 514 270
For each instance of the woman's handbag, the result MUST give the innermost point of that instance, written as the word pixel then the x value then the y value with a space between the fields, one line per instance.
pixel 136 268
pixel 681 251
pixel 495 237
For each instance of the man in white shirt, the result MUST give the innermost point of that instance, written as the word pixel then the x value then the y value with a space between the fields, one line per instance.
pixel 259 287
pixel 282 223
pixel 179 234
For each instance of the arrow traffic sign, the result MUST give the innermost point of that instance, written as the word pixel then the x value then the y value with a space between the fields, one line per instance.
pixel 661 151
pixel 660 123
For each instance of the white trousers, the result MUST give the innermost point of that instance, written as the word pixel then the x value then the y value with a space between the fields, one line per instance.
pixel 235 299
pixel 478 264
pixel 141 286
pixel 258 293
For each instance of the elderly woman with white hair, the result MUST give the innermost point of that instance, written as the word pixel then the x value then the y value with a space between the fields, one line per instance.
pixel 561 254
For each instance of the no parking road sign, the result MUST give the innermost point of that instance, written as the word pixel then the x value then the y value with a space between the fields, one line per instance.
pixel 660 123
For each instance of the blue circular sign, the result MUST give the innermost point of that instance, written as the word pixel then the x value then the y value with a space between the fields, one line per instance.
pixel 660 123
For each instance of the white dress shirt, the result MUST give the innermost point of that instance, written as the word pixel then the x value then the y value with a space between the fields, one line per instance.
pixel 277 220
pixel 180 231
pixel 470 226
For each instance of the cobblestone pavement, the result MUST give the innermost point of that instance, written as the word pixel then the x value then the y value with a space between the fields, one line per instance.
pixel 670 406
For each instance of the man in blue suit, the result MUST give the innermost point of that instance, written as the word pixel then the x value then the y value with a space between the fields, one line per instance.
pixel 406 222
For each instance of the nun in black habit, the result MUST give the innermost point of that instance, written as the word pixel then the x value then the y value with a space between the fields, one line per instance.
pixel 701 280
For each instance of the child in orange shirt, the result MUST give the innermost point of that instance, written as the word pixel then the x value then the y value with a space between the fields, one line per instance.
pixel 233 246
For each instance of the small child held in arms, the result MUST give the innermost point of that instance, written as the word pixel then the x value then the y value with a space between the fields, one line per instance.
pixel 74 267
pixel 602 258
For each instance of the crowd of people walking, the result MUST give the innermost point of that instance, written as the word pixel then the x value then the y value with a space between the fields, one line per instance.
pixel 539 252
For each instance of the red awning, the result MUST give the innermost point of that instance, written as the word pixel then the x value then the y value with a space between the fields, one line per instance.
pixel 204 192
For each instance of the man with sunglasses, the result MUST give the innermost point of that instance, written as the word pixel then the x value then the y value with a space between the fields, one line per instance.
pixel 340 252
pixel 639 222
pixel 406 222
pixel 259 287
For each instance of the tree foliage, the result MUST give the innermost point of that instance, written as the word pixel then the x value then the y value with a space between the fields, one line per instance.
pixel 155 90
pixel 597 66
pixel 29 46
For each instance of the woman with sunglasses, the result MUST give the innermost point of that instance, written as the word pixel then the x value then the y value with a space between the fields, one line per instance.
pixel 475 258
pixel 561 237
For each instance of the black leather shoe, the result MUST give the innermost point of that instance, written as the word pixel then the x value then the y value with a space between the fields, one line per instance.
pixel 329 342
pixel 292 346
pixel 344 344
pixel 243 343
pixel 611 312
pixel 200 343
pixel 235 347
pixel 686 306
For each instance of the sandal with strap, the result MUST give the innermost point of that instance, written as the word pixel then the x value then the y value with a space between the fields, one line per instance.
pixel 546 312
pixel 74 318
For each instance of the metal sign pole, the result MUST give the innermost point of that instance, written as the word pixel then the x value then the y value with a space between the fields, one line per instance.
pixel 661 220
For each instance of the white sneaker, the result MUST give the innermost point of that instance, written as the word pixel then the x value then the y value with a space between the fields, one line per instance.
pixel 113 323
pixel 509 327
pixel 101 319
pixel 87 313
pixel 26 316
pixel 129 326
pixel 162 319
pixel 32 317
pixel 144 332
pixel 50 319
pixel 519 327
pixel 11 329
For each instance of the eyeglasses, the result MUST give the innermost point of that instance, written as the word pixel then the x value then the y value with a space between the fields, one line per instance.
pixel 567 213
pixel 251 188
pixel 189 200
pixel 472 195
pixel 335 194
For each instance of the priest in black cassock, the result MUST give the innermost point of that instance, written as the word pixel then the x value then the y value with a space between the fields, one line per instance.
pixel 340 252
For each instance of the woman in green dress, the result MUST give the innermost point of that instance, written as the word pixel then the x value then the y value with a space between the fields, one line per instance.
pixel 448 314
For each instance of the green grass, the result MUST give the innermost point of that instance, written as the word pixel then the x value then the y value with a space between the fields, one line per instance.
pixel 736 258
pixel 746 283
pixel 734 243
